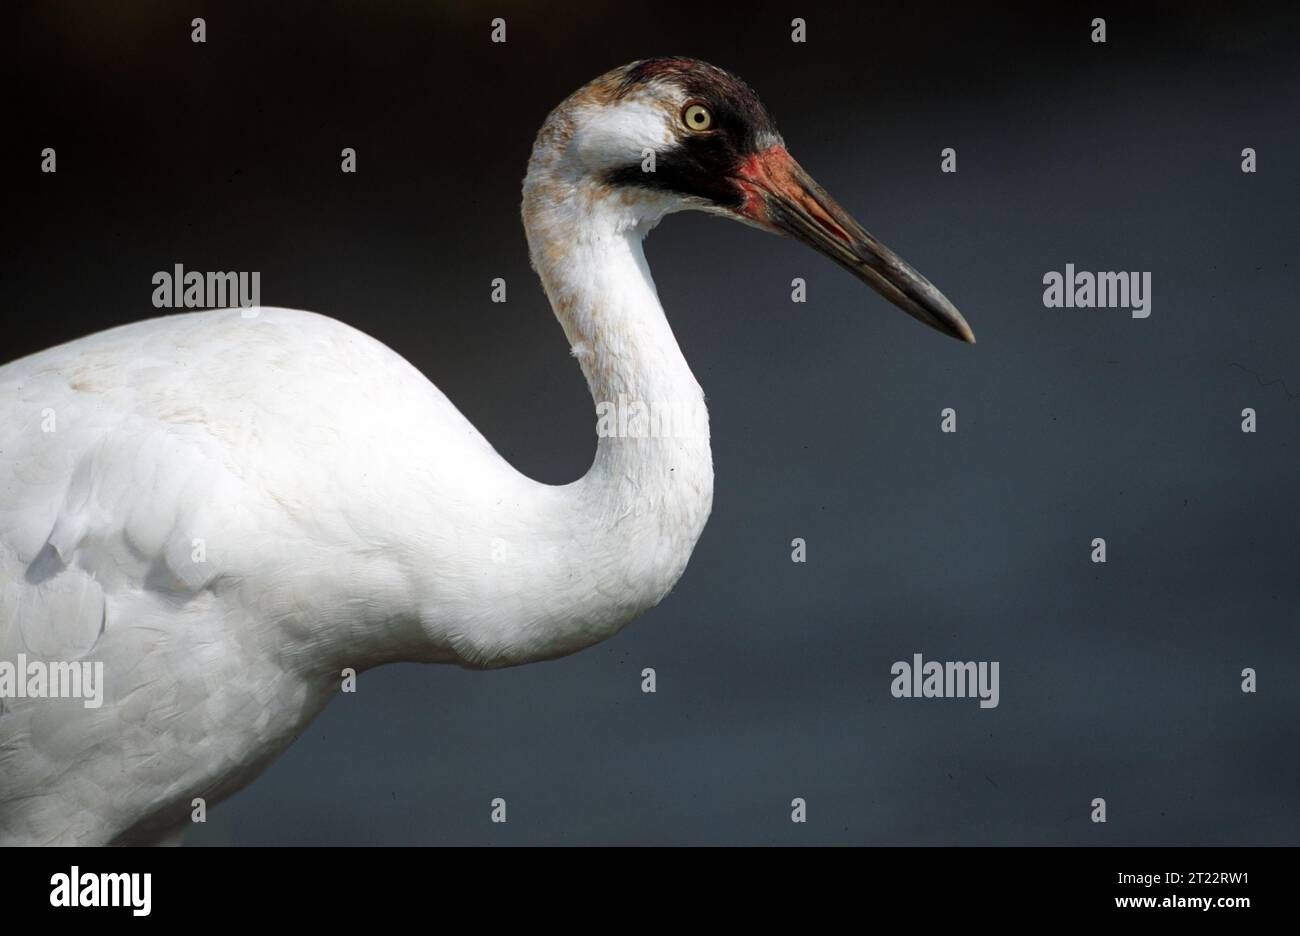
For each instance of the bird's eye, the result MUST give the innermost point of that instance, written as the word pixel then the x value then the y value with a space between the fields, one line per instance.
pixel 697 117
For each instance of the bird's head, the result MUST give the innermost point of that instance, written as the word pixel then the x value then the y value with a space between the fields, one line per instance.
pixel 671 134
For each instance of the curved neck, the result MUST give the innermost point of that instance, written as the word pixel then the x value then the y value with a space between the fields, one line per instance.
pixel 641 507
pixel 524 571
pixel 587 248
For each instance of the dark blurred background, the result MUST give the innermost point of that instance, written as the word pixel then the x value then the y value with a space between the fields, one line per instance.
pixel 1119 680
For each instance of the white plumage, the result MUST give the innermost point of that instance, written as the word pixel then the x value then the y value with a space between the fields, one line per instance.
pixel 228 508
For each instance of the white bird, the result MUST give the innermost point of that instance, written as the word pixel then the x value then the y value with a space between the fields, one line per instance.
pixel 229 508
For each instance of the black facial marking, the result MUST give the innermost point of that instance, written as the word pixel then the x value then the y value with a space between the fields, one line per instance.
pixel 702 163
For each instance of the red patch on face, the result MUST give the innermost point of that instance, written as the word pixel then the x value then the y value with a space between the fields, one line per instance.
pixel 774 173
pixel 754 206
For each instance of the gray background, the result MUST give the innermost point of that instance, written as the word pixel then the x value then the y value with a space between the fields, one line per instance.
pixel 1119 680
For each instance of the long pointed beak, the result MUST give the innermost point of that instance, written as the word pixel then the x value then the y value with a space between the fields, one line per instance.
pixel 781 197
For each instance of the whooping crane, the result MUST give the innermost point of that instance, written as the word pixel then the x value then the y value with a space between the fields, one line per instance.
pixel 227 508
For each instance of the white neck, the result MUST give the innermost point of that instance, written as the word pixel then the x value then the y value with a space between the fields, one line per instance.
pixel 516 571
pixel 633 519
